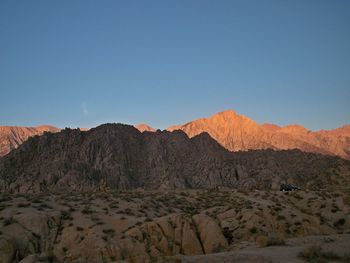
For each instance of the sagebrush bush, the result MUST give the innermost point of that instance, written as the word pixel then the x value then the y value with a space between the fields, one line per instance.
pixel 316 254
pixel 266 241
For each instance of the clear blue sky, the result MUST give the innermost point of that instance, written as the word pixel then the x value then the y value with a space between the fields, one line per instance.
pixel 83 63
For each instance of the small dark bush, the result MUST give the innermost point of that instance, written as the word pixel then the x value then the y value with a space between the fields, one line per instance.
pixel 339 223
pixel 253 230
pixel 8 221
pixel 108 231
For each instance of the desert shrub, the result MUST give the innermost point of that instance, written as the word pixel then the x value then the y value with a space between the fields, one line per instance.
pixel 281 217
pixel 128 211
pixel 253 230
pixel 277 209
pixel 79 228
pixel 266 241
pixel 65 215
pixel 8 221
pixel 346 200
pixel 275 241
pixel 228 234
pixel 86 210
pixel 44 205
pixel 50 256
pixel 316 254
pixel 4 198
pixel 109 231
pixel 26 204
pixel 261 240
pixel 339 223
pixel 124 254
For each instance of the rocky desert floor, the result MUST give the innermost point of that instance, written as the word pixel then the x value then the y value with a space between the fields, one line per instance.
pixel 218 225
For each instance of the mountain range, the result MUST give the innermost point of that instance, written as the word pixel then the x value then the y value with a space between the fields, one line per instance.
pixel 118 156
pixel 239 133
pixel 233 131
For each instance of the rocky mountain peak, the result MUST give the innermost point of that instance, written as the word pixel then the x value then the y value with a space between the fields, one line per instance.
pixel 144 127
pixel 237 132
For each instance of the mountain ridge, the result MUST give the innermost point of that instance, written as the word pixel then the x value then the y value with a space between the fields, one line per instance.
pixel 119 156
pixel 234 131
pixel 238 132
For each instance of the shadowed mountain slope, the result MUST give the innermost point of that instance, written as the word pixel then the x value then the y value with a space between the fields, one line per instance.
pixel 118 156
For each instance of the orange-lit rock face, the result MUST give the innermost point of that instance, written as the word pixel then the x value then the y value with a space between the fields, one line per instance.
pixel 144 127
pixel 237 132
pixel 12 136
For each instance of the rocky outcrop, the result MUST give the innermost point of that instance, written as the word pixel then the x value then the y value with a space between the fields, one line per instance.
pixel 213 240
pixel 26 237
pixel 180 234
pixel 173 235
pixel 237 132
pixel 116 156
pixel 12 136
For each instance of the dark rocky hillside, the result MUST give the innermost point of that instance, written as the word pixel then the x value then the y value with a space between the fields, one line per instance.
pixel 117 156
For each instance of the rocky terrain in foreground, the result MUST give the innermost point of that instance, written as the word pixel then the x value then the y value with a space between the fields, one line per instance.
pixel 174 226
pixel 117 156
